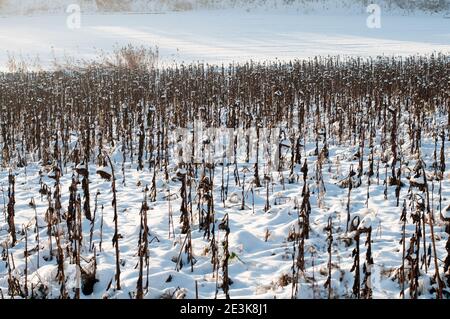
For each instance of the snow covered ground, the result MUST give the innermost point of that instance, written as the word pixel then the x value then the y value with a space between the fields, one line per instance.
pixel 221 36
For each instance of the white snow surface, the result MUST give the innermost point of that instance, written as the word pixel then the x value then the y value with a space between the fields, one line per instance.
pixel 220 36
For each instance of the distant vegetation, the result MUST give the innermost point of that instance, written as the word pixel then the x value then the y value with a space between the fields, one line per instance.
pixel 40 6
pixel 61 129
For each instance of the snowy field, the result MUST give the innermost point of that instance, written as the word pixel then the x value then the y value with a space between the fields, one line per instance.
pixel 221 36
pixel 264 220
pixel 262 261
